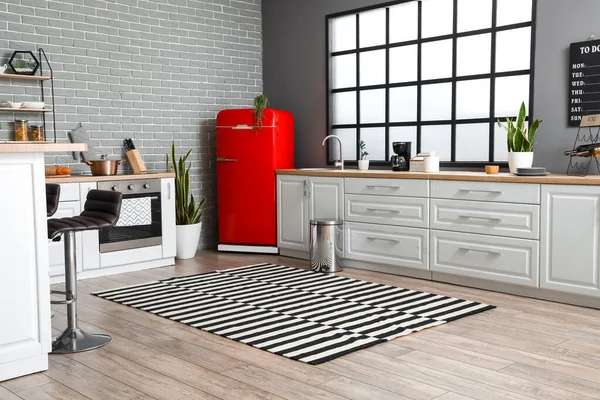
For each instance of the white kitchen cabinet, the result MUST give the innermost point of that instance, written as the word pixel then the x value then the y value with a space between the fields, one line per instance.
pixel 388 210
pixel 570 243
pixel 301 199
pixel 167 213
pixel 56 250
pixel 499 192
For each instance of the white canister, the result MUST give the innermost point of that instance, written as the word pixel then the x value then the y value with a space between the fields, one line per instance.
pixel 432 164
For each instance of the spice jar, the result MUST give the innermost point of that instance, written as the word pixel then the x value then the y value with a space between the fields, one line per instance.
pixel 37 133
pixel 21 131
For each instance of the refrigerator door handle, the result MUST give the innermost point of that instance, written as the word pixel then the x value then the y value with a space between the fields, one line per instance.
pixel 221 159
pixel 242 127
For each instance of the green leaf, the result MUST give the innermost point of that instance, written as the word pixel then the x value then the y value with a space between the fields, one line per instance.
pixel 521 117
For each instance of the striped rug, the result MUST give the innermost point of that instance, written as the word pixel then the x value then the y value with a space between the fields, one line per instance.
pixel 295 313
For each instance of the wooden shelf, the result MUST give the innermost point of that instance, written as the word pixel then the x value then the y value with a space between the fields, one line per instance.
pixel 25 77
pixel 22 109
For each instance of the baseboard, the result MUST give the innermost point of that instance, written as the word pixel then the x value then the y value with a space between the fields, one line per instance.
pixel 248 249
pixel 23 367
pixel 96 273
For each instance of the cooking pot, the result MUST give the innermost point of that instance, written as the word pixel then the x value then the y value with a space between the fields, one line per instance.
pixel 103 167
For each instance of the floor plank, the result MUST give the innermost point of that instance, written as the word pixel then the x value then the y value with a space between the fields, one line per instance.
pixel 51 391
pixel 357 390
pixel 26 382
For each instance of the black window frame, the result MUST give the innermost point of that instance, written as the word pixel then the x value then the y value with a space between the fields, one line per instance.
pixel 453 122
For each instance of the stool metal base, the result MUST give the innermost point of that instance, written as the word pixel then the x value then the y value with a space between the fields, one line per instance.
pixel 76 341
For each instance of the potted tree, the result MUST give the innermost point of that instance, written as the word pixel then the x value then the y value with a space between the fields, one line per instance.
pixel 188 212
pixel 520 140
pixel 363 163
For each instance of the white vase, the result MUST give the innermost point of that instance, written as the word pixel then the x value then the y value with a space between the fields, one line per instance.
pixel 519 160
pixel 188 237
pixel 363 165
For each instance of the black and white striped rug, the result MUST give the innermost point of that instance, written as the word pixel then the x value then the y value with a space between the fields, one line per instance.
pixel 295 313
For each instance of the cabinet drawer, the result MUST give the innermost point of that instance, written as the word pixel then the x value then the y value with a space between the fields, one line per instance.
pixel 388 187
pixel 502 219
pixel 527 193
pixel 498 259
pixel 401 211
pixel 69 192
pixel 405 247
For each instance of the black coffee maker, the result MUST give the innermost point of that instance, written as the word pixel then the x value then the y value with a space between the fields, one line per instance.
pixel 401 160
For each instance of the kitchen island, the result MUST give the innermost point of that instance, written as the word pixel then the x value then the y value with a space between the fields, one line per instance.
pixel 25 333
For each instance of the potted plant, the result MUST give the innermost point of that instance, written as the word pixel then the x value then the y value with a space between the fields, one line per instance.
pixel 260 104
pixel 520 141
pixel 363 163
pixel 188 212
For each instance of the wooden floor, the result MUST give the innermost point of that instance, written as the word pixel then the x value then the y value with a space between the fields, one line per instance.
pixel 524 349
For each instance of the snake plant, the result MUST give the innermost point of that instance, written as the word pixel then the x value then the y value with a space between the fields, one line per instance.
pixel 187 211
pixel 518 138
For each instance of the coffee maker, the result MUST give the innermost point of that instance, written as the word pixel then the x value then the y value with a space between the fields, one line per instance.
pixel 401 160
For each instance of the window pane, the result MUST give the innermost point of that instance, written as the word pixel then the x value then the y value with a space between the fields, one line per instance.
pixel 472 142
pixel 404 22
pixel 474 54
pixel 372 106
pixel 372 28
pixel 343 71
pixel 372 68
pixel 438 17
pixel 404 134
pixel 510 93
pixel 513 50
pixel 437 138
pixel 343 33
pixel 403 64
pixel 437 60
pixel 375 140
pixel 514 11
pixel 473 99
pixel 436 102
pixel 474 14
pixel 348 137
pixel 344 108
pixel 403 104
pixel 500 146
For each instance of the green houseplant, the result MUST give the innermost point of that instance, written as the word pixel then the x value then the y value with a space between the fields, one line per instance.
pixel 520 140
pixel 260 104
pixel 363 163
pixel 188 211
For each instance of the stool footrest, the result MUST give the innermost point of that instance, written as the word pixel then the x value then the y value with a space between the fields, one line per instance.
pixel 70 297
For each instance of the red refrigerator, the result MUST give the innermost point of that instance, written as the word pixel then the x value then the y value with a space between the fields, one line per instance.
pixel 247 158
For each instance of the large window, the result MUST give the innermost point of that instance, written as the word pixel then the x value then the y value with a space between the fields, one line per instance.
pixel 437 73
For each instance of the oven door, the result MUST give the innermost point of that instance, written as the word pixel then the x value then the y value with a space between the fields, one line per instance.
pixel 139 224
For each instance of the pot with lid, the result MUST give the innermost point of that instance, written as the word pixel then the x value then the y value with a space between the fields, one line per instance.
pixel 104 166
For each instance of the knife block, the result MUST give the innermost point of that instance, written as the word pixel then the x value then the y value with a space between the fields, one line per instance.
pixel 136 161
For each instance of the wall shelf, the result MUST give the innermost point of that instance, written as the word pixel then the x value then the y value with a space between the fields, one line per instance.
pixel 22 109
pixel 25 77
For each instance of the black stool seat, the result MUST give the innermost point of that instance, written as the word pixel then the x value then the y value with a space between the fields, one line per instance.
pixel 52 197
pixel 101 210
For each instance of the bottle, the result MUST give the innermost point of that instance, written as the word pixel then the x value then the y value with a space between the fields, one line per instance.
pixel 37 133
pixel 21 131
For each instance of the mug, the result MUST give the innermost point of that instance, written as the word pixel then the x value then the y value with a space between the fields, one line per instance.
pixel 3 68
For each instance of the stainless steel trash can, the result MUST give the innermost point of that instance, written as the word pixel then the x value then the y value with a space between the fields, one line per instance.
pixel 326 244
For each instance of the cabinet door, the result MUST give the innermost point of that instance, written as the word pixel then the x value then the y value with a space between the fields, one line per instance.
pixel 167 200
pixel 326 198
pixel 56 250
pixel 292 213
pixel 570 259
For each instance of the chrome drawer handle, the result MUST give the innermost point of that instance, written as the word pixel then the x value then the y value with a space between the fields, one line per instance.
pixel 220 159
pixel 383 210
pixel 494 253
pixel 382 187
pixel 480 191
pixel 480 217
pixel 383 239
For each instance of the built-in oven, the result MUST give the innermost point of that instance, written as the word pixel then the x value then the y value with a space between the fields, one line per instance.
pixel 140 221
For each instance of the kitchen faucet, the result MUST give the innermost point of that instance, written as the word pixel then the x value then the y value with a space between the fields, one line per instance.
pixel 339 163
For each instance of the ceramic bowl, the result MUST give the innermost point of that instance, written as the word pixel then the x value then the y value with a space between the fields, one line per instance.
pixel 12 104
pixel 34 104
pixel 492 169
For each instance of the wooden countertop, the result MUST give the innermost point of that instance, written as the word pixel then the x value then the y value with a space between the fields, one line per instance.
pixel 91 178
pixel 552 179
pixel 41 147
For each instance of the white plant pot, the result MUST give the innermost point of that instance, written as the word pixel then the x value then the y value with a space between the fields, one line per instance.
pixel 519 160
pixel 363 165
pixel 188 237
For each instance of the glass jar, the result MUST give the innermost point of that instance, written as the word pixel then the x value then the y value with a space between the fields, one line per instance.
pixel 37 133
pixel 21 131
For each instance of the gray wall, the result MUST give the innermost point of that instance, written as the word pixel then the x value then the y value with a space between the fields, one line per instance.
pixel 152 70
pixel 295 75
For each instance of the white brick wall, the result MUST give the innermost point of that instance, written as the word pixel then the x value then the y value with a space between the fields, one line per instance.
pixel 152 70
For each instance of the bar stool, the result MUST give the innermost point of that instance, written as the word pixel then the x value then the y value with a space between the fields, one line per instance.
pixel 101 211
pixel 52 196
